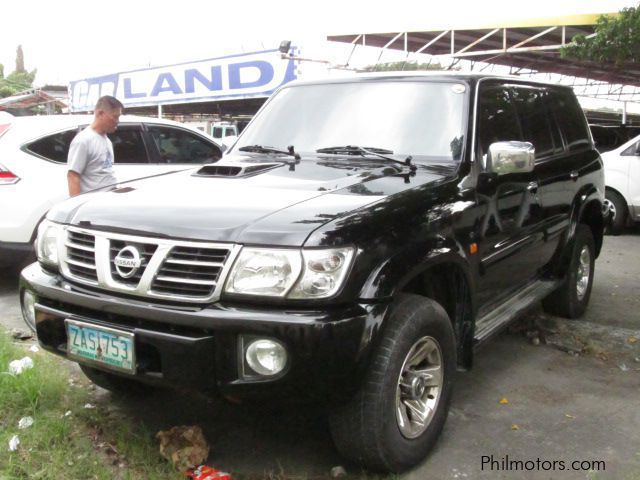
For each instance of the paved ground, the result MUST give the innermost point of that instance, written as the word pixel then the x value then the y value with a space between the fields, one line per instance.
pixel 573 397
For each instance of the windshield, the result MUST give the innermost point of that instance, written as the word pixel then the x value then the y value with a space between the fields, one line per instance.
pixel 421 119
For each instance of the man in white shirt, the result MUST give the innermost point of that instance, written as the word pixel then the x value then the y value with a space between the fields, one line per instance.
pixel 90 159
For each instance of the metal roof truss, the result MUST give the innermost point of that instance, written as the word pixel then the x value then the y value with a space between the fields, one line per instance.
pixel 525 50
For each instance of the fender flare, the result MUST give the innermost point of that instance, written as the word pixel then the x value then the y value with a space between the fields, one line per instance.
pixel 393 275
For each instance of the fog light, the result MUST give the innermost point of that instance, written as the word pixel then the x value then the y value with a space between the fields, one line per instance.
pixel 28 304
pixel 266 357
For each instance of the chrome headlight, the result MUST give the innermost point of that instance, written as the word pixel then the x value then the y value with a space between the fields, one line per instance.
pixel 317 273
pixel 47 243
pixel 324 272
pixel 266 272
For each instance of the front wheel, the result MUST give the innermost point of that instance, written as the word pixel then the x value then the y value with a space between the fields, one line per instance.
pixel 397 415
pixel 617 208
pixel 572 298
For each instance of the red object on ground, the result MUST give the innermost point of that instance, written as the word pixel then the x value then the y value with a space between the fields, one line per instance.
pixel 205 472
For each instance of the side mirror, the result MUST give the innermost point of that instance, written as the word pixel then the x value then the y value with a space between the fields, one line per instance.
pixel 510 157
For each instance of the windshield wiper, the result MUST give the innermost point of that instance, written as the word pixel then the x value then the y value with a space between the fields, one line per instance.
pixel 355 150
pixel 375 151
pixel 265 149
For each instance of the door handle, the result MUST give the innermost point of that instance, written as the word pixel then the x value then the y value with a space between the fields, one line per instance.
pixel 532 187
pixel 574 175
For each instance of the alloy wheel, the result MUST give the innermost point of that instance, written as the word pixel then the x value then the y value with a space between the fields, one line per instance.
pixel 611 208
pixel 583 273
pixel 419 387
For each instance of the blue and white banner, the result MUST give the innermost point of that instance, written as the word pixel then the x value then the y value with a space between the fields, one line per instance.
pixel 248 75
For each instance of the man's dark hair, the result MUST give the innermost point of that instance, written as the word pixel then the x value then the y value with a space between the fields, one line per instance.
pixel 107 102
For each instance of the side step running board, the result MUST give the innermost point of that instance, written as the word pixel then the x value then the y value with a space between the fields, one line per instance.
pixel 493 321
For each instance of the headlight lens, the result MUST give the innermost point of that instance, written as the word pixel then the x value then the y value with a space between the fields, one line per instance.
pixel 47 243
pixel 267 272
pixel 281 272
pixel 324 272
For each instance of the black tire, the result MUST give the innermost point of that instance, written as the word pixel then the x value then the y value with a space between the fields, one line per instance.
pixel 572 298
pixel 367 429
pixel 116 384
pixel 618 212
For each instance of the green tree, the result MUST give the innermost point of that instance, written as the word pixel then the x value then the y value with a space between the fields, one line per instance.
pixel 18 80
pixel 617 40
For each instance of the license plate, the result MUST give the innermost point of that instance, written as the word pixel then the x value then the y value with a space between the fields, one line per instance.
pixel 101 345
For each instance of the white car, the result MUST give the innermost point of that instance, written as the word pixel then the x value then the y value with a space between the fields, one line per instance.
pixel 33 170
pixel 622 178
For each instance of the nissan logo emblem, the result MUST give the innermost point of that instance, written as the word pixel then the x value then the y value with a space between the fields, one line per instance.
pixel 127 261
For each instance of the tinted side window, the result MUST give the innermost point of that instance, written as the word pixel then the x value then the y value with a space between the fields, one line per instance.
pixel 128 145
pixel 180 146
pixel 534 119
pixel 497 120
pixel 571 120
pixel 54 147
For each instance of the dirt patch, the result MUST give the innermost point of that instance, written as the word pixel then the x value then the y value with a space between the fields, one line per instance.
pixel 613 345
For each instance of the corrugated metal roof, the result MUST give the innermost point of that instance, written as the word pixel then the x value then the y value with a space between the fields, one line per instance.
pixel 525 44
pixel 29 99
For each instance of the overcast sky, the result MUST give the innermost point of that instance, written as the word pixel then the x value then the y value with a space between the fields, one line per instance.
pixel 69 39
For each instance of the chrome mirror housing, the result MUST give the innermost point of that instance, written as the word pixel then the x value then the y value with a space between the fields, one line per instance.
pixel 510 157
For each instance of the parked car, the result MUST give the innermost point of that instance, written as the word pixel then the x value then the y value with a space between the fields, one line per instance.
pixel 33 155
pixel 334 257
pixel 610 137
pixel 622 177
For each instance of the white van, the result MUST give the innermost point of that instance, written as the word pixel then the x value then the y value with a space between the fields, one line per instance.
pixel 225 133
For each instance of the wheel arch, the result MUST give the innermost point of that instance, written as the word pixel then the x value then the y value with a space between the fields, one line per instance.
pixel 587 209
pixel 448 283
pixel 444 275
pixel 618 192
pixel 591 214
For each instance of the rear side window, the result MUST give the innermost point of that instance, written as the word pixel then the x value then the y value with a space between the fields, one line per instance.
pixel 128 145
pixel 181 146
pixel 53 147
pixel 570 119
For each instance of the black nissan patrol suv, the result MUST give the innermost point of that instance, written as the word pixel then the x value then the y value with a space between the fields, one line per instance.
pixel 354 246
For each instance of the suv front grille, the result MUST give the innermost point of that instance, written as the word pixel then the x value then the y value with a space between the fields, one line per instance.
pixel 148 267
pixel 81 258
pixel 190 271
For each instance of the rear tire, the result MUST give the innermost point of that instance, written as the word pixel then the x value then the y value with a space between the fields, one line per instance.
pixel 572 298
pixel 117 384
pixel 614 202
pixel 395 418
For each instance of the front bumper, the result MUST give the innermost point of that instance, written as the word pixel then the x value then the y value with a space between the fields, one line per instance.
pixel 198 347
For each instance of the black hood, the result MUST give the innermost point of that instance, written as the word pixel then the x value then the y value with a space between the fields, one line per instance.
pixel 247 199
